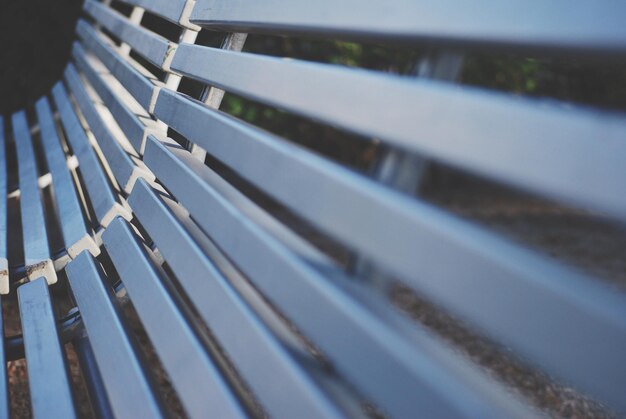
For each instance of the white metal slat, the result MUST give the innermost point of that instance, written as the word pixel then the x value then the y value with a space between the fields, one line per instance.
pixel 275 378
pixel 134 120
pixel 511 140
pixel 104 199
pixel 114 350
pixel 49 382
pixel 71 219
pixel 417 242
pixel 313 304
pixel 172 10
pixel 151 46
pixel 184 357
pixel 592 27
pixel 120 155
pixel 142 86
pixel 37 258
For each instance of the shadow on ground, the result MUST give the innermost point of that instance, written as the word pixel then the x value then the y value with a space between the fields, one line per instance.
pixel 36 38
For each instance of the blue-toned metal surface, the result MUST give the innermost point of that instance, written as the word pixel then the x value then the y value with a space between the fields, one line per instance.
pixel 51 395
pixel 129 389
pixel 589 26
pixel 227 251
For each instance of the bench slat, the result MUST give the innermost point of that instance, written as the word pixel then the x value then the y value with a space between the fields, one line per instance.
pixel 123 160
pixel 51 395
pixel 4 261
pixel 117 159
pixel 34 232
pixel 103 198
pixel 186 360
pixel 417 241
pixel 279 383
pixel 592 26
pixel 149 45
pixel 128 387
pixel 171 10
pixel 511 140
pixel 319 309
pixel 135 122
pixel 140 86
pixel 71 219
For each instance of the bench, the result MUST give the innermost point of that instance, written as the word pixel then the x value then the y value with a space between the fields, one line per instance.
pixel 167 217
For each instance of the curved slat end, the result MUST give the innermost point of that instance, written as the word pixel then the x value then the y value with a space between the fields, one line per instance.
pixel 61 262
pixel 139 172
pixel 116 210
pixel 185 16
pixel 44 268
pixel 85 243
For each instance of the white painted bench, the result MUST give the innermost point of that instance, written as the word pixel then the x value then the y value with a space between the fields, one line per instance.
pixel 247 317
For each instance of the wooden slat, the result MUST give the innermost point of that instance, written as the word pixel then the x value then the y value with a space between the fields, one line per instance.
pixel 185 359
pixel 592 26
pixel 149 45
pixel 322 311
pixel 141 85
pixel 104 199
pixel 51 395
pixel 417 243
pixel 510 140
pixel 4 258
pixel 129 389
pixel 71 218
pixel 37 258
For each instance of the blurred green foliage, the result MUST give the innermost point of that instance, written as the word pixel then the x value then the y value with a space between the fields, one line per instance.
pixel 589 83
